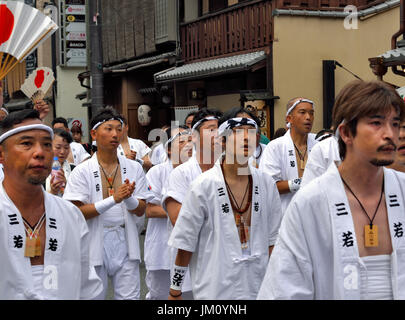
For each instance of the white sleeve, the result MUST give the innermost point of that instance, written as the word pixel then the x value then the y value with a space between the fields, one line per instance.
pixel 178 186
pixel 270 161
pixel 155 183
pixel 289 273
pixel 141 184
pixel 190 220
pixel 143 149
pixel 77 186
pixel 314 167
pixel 274 211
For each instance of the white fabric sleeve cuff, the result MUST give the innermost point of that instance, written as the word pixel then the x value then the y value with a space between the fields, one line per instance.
pixel 179 274
pixel 131 203
pixel 104 205
pixel 294 184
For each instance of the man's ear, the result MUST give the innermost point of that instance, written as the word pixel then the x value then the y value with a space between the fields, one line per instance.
pixel 345 133
pixel 93 134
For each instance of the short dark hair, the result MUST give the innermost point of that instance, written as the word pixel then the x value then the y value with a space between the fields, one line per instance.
pixel 63 134
pixel 233 113
pixel 192 113
pixel 16 118
pixel 360 99
pixel 60 120
pixel 105 114
pixel 203 113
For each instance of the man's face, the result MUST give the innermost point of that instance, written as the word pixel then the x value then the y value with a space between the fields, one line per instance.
pixel 208 140
pixel 108 135
pixel 241 143
pixel 302 118
pixel 376 138
pixel 28 155
pixel 60 126
pixel 181 149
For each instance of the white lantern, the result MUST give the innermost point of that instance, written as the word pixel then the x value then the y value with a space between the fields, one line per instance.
pixel 144 115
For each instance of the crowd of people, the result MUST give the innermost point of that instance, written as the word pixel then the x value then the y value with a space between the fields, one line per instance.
pixel 228 217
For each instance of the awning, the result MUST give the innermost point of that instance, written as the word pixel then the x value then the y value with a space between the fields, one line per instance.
pixel 395 56
pixel 141 63
pixel 211 68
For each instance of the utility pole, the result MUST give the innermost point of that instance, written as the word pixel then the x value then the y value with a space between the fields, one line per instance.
pixel 96 56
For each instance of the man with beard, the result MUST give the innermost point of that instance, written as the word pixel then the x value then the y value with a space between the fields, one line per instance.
pixel 342 236
pixel 44 245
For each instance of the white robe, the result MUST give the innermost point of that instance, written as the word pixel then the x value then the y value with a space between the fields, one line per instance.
pixel 178 185
pixel 79 153
pixel 84 185
pixel 180 180
pixel 156 250
pixel 136 145
pixel 158 154
pixel 66 257
pixel 1 172
pixel 316 255
pixel 280 161
pixel 321 157
pixel 206 227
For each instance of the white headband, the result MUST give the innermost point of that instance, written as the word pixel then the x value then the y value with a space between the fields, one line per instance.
pixel 235 122
pixel 14 131
pixel 178 134
pixel 4 109
pixel 101 122
pixel 296 103
pixel 201 121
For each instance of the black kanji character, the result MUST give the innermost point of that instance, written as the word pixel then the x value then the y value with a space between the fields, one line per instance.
pixel 399 231
pixel 347 239
pixel 53 244
pixel 225 208
pixel 18 242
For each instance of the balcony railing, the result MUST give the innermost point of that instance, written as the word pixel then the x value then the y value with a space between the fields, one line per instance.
pixel 243 28
pixel 336 5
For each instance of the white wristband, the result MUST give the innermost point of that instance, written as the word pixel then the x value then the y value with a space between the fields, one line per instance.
pixel 103 205
pixel 131 203
pixel 179 273
pixel 294 184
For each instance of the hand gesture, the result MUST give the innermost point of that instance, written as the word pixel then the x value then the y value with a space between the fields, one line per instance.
pixel 124 191
pixel 42 107
pixel 131 155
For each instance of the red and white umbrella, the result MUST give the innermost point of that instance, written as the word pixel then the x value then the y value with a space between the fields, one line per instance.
pixel 22 29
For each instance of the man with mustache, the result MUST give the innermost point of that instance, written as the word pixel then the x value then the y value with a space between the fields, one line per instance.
pixel 342 236
pixel 285 158
pixel 44 245
pixel 111 191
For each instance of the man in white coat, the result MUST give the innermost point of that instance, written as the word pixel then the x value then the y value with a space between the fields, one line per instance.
pixel 342 236
pixel 111 191
pixel 207 149
pixel 228 222
pixel 285 158
pixel 157 253
pixel 44 244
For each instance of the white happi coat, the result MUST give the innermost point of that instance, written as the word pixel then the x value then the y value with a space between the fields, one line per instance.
pixel 320 158
pixel 136 145
pixel 66 256
pixel 316 255
pixel 79 153
pixel 158 154
pixel 1 172
pixel 180 180
pixel 280 161
pixel 178 185
pixel 156 250
pixel 206 226
pixel 84 185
